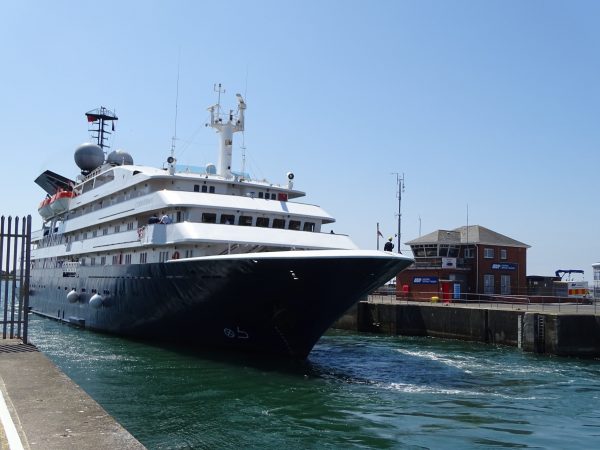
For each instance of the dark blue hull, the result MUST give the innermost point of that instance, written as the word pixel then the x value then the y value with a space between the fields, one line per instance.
pixel 277 305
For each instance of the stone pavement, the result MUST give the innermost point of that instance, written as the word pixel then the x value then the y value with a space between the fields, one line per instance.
pixel 48 410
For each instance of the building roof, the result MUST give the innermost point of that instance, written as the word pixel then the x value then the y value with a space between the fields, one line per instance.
pixel 472 234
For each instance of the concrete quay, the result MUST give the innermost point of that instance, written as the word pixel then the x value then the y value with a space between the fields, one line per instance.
pixel 42 408
pixel 563 330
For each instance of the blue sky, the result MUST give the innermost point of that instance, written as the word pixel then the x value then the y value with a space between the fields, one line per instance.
pixel 490 104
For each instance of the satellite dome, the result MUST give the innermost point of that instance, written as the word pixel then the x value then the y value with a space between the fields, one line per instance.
pixel 119 158
pixel 89 156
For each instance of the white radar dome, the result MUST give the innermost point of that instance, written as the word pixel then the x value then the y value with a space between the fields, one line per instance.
pixel 89 156
pixel 119 158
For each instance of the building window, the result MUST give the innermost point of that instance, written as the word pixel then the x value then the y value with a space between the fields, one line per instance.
pixel 503 253
pixel 488 253
pixel 488 284
pixel 279 223
pixel 262 222
pixel 209 218
pixel 469 253
pixel 505 284
pixel 227 219
pixel 245 221
pixel 294 225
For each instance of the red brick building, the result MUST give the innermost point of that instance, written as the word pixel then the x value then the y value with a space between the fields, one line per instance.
pixel 468 261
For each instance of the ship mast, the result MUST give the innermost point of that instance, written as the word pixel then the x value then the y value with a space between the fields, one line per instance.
pixel 233 123
pixel 98 119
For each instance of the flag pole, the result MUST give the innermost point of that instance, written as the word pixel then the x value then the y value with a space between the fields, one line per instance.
pixel 378 235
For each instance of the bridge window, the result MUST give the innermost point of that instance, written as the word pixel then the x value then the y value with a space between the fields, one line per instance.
pixel 279 223
pixel 209 218
pixel 245 221
pixel 227 219
pixel 204 188
pixel 262 222
pixel 309 226
pixel 294 225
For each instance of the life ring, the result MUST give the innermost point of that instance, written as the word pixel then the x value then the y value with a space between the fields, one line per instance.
pixel 175 255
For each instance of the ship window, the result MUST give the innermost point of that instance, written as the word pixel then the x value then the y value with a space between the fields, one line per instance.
pixel 117 228
pixel 128 258
pixel 94 233
pixel 209 218
pixel 273 196
pixel 103 260
pixel 245 221
pixel 189 253
pixel 104 231
pixel 211 189
pixel 163 256
pixel 227 219
pixel 262 222
pixel 130 226
pixel 309 226
pixel 204 188
pixel 279 223
pixel 260 195
pixel 294 225
pixel 143 257
pixel 92 261
pixel 196 188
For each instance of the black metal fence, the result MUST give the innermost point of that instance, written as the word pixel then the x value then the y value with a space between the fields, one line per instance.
pixel 15 257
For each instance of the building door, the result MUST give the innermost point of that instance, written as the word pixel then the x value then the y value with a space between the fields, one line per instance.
pixel 505 284
pixel 488 284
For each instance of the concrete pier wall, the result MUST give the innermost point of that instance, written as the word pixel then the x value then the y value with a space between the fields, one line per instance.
pixel 551 333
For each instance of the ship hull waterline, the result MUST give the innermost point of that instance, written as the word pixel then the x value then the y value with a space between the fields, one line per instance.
pixel 278 304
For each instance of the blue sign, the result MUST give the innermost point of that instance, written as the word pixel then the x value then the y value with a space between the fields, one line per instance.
pixel 425 280
pixel 504 266
pixel 456 290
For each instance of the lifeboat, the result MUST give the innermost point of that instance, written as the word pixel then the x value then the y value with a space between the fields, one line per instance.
pixel 59 202
pixel 44 208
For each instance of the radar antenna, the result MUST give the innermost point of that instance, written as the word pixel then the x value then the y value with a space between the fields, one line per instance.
pixel 98 120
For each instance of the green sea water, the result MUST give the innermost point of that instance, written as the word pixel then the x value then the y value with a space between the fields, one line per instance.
pixel 355 391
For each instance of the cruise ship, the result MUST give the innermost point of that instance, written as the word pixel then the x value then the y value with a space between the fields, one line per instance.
pixel 208 257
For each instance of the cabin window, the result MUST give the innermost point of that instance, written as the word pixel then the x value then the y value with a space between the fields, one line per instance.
pixel 294 225
pixel 488 253
pixel 279 223
pixel 309 226
pixel 273 196
pixel 143 257
pixel 103 260
pixel 85 235
pixel 196 188
pixel 104 231
pixel 117 228
pixel 204 188
pixel 262 222
pixel 94 233
pixel 245 221
pixel 130 226
pixel 211 189
pixel 227 219
pixel 128 258
pixel 189 253
pixel 209 218
pixel 115 260
pixel 92 261
pixel 163 256
pixel 260 195
pixel 179 216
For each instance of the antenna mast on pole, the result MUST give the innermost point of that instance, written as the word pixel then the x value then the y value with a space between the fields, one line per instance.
pixel 400 183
